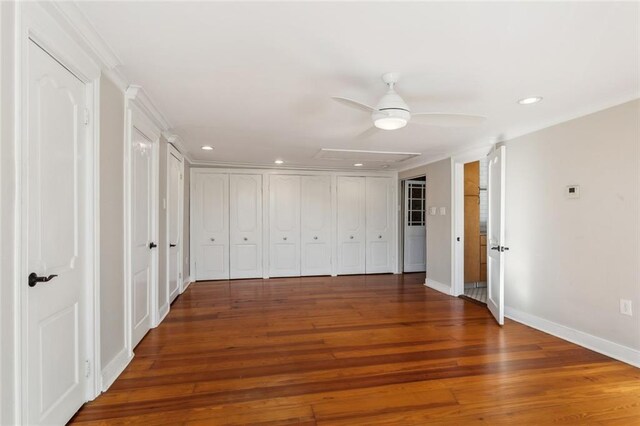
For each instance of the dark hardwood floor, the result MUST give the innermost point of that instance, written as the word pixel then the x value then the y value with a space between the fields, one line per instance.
pixel 357 350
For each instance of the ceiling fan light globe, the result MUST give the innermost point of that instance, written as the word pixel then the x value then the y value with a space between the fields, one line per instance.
pixel 390 123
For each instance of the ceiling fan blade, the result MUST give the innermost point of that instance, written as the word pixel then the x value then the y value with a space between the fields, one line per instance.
pixel 448 120
pixel 354 104
pixel 367 133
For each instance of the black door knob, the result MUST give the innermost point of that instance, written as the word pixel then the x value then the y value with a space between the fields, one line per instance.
pixel 172 245
pixel 35 279
pixel 152 245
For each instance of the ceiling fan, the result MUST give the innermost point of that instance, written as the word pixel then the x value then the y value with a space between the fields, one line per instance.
pixel 393 113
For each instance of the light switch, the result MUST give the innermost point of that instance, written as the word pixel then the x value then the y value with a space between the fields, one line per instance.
pixel 443 211
pixel 572 191
pixel 432 211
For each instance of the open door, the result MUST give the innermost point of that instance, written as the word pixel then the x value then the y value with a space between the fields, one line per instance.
pixel 415 241
pixel 495 233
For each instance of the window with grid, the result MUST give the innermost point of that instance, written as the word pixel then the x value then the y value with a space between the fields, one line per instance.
pixel 415 205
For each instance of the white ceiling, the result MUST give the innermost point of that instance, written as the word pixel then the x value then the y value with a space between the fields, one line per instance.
pixel 254 80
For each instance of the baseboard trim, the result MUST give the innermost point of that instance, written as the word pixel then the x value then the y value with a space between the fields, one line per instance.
pixel 614 350
pixel 185 285
pixel 438 286
pixel 162 313
pixel 115 367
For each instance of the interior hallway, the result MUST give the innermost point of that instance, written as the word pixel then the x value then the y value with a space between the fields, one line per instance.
pixel 356 350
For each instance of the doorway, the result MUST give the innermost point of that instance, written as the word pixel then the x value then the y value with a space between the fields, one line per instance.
pixel 414 225
pixel 475 230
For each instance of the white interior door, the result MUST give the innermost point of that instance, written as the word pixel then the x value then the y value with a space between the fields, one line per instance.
pixel 143 244
pixel 315 217
pixel 379 225
pixel 55 165
pixel 174 223
pixel 284 232
pixel 415 235
pixel 245 226
pixel 351 227
pixel 495 234
pixel 210 226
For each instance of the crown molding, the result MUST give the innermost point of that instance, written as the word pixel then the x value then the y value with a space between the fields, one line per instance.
pixel 140 98
pixel 178 143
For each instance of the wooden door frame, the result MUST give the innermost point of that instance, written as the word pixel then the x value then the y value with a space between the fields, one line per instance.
pixel 457 214
pixel 34 23
pixel 171 150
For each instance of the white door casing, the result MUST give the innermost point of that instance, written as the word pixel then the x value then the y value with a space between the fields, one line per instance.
pixel 315 216
pixel 415 259
pixel 496 233
pixel 210 226
pixel 379 225
pixel 351 224
pixel 174 222
pixel 143 238
pixel 245 225
pixel 55 165
pixel 284 229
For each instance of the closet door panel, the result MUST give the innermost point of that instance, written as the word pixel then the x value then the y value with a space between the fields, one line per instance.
pixel 379 219
pixel 316 225
pixel 351 226
pixel 284 231
pixel 245 212
pixel 210 227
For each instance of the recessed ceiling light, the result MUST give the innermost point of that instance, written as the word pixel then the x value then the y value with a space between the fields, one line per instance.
pixel 279 161
pixel 207 148
pixel 529 101
pixel 358 164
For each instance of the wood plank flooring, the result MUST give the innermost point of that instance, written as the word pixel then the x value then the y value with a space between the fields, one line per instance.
pixel 356 350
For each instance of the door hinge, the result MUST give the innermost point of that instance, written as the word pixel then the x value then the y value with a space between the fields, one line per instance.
pixel 86 116
pixel 87 368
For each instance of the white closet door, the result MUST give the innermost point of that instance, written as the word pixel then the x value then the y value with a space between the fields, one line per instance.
pixel 284 232
pixel 351 224
pixel 316 225
pixel 174 224
pixel 379 220
pixel 210 226
pixel 245 226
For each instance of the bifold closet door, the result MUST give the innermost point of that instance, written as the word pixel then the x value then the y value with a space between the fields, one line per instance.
pixel 380 229
pixel 284 230
pixel 315 219
pixel 245 226
pixel 351 224
pixel 210 226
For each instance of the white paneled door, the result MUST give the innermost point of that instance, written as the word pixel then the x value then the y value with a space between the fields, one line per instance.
pixel 351 224
pixel 496 233
pixel 284 219
pixel 143 244
pixel 245 226
pixel 55 163
pixel 415 236
pixel 315 216
pixel 210 226
pixel 174 223
pixel 380 237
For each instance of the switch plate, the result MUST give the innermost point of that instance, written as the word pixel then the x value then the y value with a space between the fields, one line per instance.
pixel 443 211
pixel 626 307
pixel 432 211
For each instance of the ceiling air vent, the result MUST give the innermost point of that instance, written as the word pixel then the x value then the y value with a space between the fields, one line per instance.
pixel 364 156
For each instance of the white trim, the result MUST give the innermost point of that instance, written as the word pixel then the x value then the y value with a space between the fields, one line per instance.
pixel 163 311
pixel 115 367
pixel 606 347
pixel 186 283
pixel 438 286
pixel 172 151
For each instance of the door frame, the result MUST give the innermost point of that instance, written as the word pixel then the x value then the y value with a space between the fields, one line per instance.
pixel 33 23
pixel 457 192
pixel 403 216
pixel 172 150
pixel 135 117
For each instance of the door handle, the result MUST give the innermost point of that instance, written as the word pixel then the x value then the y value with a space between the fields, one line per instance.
pixel 495 248
pixel 379 236
pixel 284 238
pixel 212 239
pixel 172 245
pixel 152 245
pixel 501 249
pixel 245 238
pixel 315 238
pixel 35 279
pixel 351 237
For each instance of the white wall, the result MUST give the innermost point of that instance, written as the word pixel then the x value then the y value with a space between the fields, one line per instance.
pixel 439 227
pixel 7 217
pixel 186 232
pixel 570 261
pixel 112 270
